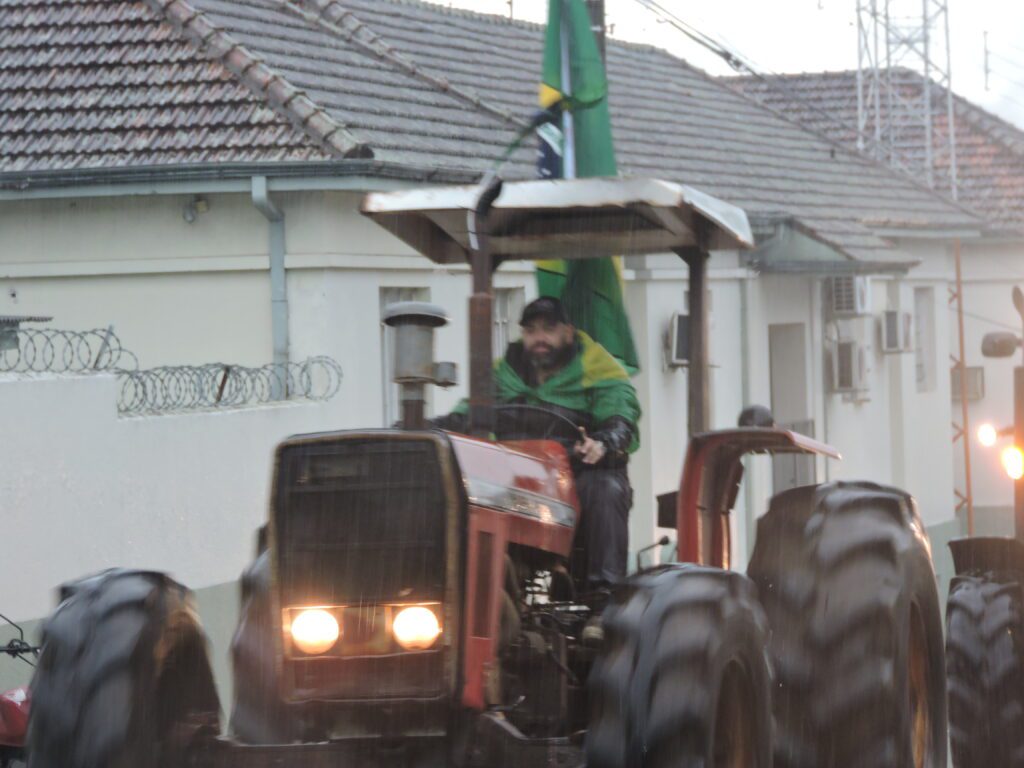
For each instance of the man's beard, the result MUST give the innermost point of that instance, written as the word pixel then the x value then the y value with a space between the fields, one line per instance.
pixel 549 359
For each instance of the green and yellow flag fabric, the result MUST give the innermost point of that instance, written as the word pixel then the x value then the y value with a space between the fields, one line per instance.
pixel 573 80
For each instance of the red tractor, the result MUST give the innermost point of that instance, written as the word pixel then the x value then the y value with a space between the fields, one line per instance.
pixel 413 600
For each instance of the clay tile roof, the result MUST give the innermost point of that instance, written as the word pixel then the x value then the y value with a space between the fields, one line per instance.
pixel 990 151
pixel 412 84
pixel 107 83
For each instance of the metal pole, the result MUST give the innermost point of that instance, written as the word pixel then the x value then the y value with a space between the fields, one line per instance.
pixel 105 346
pixel 877 85
pixel 699 401
pixel 951 125
pixel 965 425
pixel 929 154
pixel 889 87
pixel 568 126
pixel 481 313
pixel 985 37
pixel 861 44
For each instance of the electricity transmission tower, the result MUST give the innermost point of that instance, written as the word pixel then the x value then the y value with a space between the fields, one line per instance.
pixel 905 118
pixel 904 93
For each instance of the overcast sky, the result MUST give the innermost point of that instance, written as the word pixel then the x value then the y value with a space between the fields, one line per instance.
pixel 816 35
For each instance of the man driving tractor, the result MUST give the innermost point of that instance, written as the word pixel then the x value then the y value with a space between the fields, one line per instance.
pixel 563 370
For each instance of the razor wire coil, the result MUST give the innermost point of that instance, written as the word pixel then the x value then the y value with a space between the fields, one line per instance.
pixel 173 387
pixel 188 387
pixel 47 350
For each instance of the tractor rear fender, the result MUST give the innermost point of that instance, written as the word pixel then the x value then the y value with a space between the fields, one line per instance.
pixel 711 481
pixel 987 553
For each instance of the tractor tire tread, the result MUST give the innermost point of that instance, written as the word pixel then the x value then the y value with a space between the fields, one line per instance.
pixel 984 657
pixel 99 656
pixel 830 564
pixel 657 676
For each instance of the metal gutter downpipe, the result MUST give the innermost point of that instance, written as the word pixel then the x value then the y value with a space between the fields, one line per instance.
pixel 278 284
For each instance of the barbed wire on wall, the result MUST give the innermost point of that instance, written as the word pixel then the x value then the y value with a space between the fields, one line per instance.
pixel 46 350
pixel 186 387
pixel 168 388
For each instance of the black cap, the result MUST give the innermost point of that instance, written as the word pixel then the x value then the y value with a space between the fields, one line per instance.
pixel 547 308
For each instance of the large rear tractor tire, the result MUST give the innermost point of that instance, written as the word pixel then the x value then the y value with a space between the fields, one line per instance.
pixel 845 575
pixel 984 654
pixel 683 677
pixel 123 679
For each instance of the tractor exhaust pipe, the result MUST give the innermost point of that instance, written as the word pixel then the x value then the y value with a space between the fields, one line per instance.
pixel 413 355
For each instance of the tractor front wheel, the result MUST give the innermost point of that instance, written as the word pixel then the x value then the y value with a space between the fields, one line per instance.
pixel 683 678
pixel 123 679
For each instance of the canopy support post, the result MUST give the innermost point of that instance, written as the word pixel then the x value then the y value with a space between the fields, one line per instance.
pixel 699 396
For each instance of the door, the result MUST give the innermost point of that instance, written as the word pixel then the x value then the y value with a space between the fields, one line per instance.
pixel 787 352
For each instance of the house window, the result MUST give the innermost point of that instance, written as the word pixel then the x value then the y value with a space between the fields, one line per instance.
pixel 392 401
pixel 508 307
pixel 924 338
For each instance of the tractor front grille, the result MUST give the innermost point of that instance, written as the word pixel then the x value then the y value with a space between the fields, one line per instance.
pixel 361 520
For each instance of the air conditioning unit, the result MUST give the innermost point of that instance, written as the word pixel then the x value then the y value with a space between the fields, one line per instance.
pixel 975 383
pixel 849 295
pixel 896 331
pixel 849 366
pixel 678 352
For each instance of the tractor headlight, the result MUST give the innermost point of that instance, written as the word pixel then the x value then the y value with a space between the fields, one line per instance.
pixel 416 628
pixel 315 631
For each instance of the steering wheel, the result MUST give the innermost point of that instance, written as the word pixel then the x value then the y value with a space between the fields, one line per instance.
pixel 559 427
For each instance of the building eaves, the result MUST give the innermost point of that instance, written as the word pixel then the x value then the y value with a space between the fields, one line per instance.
pixel 251 70
pixel 221 177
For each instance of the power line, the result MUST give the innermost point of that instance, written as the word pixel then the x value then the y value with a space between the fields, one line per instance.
pixel 1011 62
pixel 1012 83
pixel 773 81
pixel 991 321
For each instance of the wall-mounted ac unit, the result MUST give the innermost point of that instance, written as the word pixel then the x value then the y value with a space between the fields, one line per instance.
pixel 849 366
pixel 678 353
pixel 849 295
pixel 975 383
pixel 896 331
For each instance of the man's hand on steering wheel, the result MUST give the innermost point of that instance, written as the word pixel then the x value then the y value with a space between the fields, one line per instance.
pixel 591 451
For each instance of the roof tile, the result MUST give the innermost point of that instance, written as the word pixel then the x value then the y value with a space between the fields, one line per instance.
pixel 142 82
pixel 989 151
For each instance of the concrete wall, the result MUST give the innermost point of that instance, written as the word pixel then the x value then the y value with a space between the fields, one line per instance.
pixel 83 490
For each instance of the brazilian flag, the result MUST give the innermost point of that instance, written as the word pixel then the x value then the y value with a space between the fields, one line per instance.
pixel 591 289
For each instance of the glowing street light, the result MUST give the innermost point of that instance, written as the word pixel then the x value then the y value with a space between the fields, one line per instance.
pixel 1013 462
pixel 987 435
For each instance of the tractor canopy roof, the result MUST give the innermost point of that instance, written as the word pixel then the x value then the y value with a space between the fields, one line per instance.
pixel 563 219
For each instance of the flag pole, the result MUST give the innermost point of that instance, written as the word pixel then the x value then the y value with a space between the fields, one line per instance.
pixel 568 126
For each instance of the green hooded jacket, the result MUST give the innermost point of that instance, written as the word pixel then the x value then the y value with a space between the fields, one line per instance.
pixel 592 382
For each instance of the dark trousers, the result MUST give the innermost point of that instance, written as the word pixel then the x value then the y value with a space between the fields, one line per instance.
pixel 605 499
